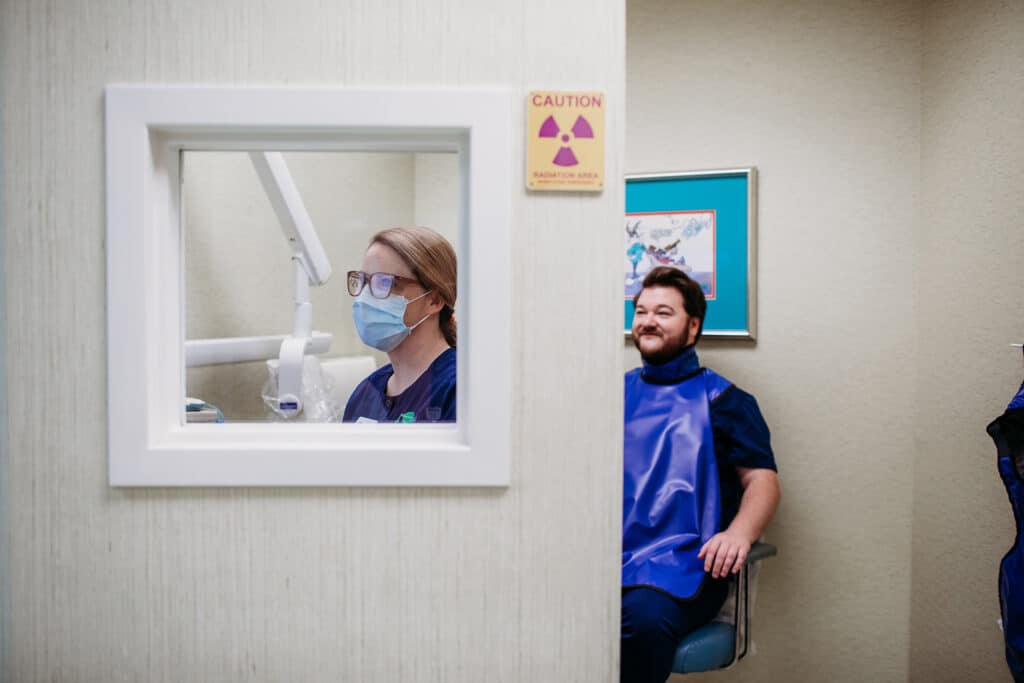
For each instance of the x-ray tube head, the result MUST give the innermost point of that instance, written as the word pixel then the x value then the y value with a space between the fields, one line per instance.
pixel 291 213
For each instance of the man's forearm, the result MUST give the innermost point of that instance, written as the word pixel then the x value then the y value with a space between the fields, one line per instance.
pixel 761 493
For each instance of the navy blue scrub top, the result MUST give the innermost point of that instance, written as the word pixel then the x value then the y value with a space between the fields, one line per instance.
pixel 431 398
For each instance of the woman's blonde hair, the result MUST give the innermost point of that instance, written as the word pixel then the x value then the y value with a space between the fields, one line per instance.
pixel 432 260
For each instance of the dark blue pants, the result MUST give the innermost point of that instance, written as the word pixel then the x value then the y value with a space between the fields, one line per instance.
pixel 654 623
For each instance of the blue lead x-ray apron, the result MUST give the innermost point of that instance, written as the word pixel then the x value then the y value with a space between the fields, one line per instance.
pixel 672 498
pixel 1007 431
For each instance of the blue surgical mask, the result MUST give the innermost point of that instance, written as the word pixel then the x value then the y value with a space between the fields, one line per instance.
pixel 381 322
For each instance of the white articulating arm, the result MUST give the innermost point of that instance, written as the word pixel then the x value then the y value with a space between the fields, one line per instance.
pixel 226 350
pixel 291 213
pixel 312 268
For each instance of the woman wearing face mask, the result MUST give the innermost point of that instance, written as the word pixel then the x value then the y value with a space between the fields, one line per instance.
pixel 404 305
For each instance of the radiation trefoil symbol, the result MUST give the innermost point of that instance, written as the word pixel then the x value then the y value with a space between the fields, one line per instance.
pixel 580 129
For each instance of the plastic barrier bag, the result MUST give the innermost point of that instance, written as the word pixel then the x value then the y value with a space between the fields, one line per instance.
pixel 318 401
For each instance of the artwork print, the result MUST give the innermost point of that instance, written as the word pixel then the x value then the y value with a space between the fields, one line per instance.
pixel 681 239
pixel 704 223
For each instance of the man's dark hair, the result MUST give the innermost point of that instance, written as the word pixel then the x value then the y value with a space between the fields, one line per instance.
pixel 693 296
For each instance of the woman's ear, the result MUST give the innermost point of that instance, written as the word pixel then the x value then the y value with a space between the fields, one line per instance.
pixel 435 302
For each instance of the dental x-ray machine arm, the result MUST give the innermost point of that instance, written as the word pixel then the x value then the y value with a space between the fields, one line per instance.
pixel 312 267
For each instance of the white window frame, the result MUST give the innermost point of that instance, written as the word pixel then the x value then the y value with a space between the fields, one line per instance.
pixel 147 128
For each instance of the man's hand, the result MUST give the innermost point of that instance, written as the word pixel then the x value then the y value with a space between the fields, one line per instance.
pixel 724 553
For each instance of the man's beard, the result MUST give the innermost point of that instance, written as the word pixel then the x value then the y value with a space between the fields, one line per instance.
pixel 668 351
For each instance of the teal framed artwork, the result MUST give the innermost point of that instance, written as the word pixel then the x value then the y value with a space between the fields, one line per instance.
pixel 704 223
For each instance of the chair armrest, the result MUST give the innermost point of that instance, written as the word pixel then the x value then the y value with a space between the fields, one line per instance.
pixel 760 551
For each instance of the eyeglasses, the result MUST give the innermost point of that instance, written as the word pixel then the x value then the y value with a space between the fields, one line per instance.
pixel 381 284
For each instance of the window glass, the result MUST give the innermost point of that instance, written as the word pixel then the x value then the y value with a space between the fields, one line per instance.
pixel 240 277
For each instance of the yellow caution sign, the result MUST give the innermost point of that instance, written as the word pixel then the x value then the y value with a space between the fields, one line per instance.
pixel 565 141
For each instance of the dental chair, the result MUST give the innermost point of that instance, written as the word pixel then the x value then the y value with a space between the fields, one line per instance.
pixel 719 644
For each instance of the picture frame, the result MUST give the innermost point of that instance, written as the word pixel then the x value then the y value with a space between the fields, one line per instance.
pixel 704 222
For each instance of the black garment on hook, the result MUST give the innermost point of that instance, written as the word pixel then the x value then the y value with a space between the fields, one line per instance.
pixel 1007 431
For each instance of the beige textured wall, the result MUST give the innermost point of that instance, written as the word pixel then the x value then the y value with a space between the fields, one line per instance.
pixel 5 542
pixel 436 200
pixel 970 247
pixel 824 99
pixel 305 585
